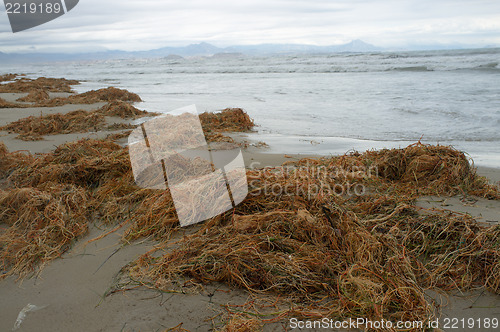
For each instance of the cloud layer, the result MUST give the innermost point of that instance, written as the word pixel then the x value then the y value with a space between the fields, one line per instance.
pixel 148 24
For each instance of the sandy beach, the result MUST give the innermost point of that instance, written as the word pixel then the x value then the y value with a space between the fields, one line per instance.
pixel 78 291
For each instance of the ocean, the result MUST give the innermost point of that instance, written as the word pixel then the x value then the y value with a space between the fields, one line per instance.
pixel 325 103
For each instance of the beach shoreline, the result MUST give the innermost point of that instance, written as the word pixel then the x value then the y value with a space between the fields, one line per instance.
pixel 335 146
pixel 70 292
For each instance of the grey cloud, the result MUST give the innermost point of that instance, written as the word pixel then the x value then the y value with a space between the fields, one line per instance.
pixel 153 23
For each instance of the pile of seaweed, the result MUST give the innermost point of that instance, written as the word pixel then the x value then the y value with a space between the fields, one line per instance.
pixel 92 97
pixel 338 237
pixel 39 89
pixel 327 252
pixel 80 121
pixel 123 110
pixel 35 127
pixel 229 119
pixel 7 77
pixel 35 96
pixel 24 84
pixel 6 104
pixel 333 237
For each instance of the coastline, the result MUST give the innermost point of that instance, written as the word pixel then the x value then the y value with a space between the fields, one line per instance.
pixel 488 157
pixel 255 158
pixel 70 291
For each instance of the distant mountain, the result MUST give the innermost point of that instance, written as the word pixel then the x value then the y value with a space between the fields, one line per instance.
pixel 263 49
pixel 201 49
pixel 206 49
pixel 358 46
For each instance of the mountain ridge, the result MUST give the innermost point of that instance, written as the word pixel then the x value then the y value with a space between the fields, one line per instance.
pixel 199 49
pixel 206 49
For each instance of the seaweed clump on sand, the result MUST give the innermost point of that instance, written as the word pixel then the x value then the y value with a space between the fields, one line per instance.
pixel 38 92
pixel 25 84
pixel 79 182
pixel 92 97
pixel 35 96
pixel 229 119
pixel 6 104
pixel 123 110
pixel 35 127
pixel 326 252
pixel 11 160
pixel 7 77
pixel 47 202
pixel 41 224
pixel 335 237
pixel 240 323
pixel 422 169
pixel 109 94
pixel 214 124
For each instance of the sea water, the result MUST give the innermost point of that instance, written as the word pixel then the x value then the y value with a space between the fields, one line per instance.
pixel 324 103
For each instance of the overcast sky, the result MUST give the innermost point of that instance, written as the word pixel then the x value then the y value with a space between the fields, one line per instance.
pixel 148 24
